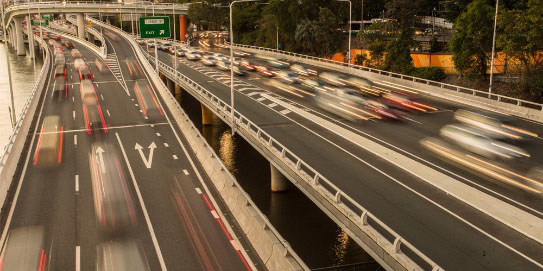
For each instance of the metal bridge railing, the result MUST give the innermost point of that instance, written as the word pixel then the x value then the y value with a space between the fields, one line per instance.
pixel 9 146
pixel 387 238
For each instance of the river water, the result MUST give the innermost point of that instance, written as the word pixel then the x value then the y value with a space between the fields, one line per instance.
pixel 23 82
pixel 312 234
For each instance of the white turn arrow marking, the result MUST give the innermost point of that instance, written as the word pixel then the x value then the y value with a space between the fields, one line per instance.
pixel 100 153
pixel 161 32
pixel 149 161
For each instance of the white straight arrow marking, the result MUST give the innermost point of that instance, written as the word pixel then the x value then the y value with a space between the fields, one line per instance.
pixel 152 148
pixel 100 153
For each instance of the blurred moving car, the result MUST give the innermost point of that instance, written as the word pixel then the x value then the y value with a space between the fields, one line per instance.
pixel 79 63
pixel 121 256
pixel 24 249
pixel 497 127
pixel 134 68
pixel 60 71
pixel 68 44
pixel 276 63
pixel 302 70
pixel 333 79
pixel 265 71
pixel 247 65
pixel 288 77
pixel 147 100
pixel 49 149
pixel 404 102
pixel 191 55
pixel 75 53
pixel 180 52
pixel 85 74
pixel 113 204
pixel 478 142
pixel 208 61
pixel 61 87
pixel 92 111
pixel 101 65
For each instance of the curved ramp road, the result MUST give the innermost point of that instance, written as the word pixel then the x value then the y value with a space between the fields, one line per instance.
pixel 107 177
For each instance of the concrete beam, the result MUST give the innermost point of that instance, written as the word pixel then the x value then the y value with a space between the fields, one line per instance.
pixel 19 36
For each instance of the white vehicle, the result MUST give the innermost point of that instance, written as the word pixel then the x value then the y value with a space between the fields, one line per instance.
pixel 192 56
pixel 79 63
pixel 287 76
pixel 302 70
pixel 223 65
pixel 208 61
pixel 333 79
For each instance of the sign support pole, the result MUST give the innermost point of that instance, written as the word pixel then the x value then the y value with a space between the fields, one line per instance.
pixel 156 56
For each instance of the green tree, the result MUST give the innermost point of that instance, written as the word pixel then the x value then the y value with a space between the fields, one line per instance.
pixel 472 40
pixel 399 58
pixel 522 39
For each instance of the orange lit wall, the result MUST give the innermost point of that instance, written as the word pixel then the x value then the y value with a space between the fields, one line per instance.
pixel 182 27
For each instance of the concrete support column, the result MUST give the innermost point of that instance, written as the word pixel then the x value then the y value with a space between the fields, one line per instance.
pixel 162 77
pixel 19 36
pixel 171 85
pixel 207 115
pixel 178 93
pixel 30 32
pixel 278 180
pixel 12 37
pixel 80 25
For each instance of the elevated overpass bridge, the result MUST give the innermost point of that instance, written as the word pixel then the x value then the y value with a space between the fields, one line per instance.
pixel 407 209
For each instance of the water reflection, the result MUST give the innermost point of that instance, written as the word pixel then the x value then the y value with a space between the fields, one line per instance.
pixel 316 238
pixel 23 82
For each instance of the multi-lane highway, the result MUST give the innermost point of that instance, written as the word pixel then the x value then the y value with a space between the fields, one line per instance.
pixel 108 185
pixel 450 232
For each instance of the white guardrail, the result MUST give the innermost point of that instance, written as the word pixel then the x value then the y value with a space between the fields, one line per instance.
pixel 173 102
pixel 101 51
pixel 9 159
pixel 97 4
pixel 380 233
pixel 445 86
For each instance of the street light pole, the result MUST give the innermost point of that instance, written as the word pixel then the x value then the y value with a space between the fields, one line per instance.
pixel 362 17
pixel 174 41
pixel 493 48
pixel 13 117
pixel 350 25
pixel 232 65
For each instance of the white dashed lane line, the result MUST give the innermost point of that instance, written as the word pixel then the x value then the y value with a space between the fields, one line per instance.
pixel 175 157
pixel 186 172
pixel 198 191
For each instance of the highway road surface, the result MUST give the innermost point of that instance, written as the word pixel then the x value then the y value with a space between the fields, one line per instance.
pixel 455 235
pixel 120 189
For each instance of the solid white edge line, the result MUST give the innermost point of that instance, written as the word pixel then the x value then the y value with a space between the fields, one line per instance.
pixel 77 258
pixel 28 156
pixel 419 194
pixel 210 196
pixel 145 213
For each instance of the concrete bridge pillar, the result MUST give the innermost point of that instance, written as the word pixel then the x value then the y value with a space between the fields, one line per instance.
pixel 162 77
pixel 80 25
pixel 19 36
pixel 278 180
pixel 171 85
pixel 30 32
pixel 207 115
pixel 178 93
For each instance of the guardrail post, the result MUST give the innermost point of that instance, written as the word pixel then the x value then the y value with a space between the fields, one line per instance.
pixel 364 218
pixel 397 243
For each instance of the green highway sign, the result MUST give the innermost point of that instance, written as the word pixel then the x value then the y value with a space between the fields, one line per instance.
pixel 39 22
pixel 155 27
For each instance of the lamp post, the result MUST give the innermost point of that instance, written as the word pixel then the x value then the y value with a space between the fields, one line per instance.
pixel 493 49
pixel 350 25
pixel 13 117
pixel 232 65
pixel 174 41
